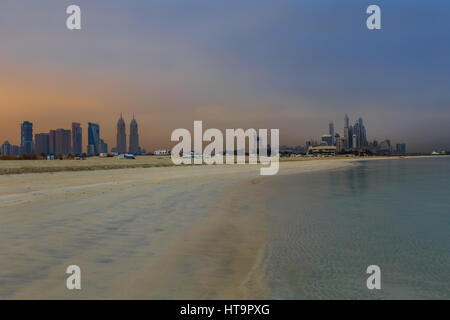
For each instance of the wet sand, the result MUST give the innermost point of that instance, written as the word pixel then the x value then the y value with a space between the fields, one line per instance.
pixel 196 232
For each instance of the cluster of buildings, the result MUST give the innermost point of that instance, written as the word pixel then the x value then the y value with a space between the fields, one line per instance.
pixel 26 142
pixel 64 142
pixel 353 140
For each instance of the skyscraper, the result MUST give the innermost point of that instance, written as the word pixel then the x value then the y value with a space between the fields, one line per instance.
pixel 121 136
pixel 350 137
pixel 26 137
pixel 93 147
pixel 62 142
pixel 360 131
pixel 134 137
pixel 347 135
pixel 42 143
pixel 103 147
pixel 52 141
pixel 5 149
pixel 76 138
pixel 363 137
pixel 59 142
pixel 331 127
pixel 357 134
pixel 401 149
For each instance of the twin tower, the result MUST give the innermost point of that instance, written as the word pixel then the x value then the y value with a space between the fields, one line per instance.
pixel 122 137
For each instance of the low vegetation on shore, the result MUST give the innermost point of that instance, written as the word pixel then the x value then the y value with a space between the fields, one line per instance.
pixel 16 166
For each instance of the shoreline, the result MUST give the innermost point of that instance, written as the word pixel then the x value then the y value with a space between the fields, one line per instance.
pixel 12 167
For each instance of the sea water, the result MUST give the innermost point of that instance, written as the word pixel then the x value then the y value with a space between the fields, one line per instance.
pixel 327 227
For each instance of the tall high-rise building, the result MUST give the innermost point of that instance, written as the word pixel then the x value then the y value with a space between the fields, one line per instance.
pixel 357 134
pixel 42 143
pixel 5 149
pixel 364 142
pixel 77 138
pixel 121 136
pixel 331 127
pixel 350 137
pixel 401 149
pixel 93 147
pixel 134 137
pixel 51 144
pixel 360 131
pixel 347 135
pixel 363 138
pixel 103 148
pixel 59 139
pixel 26 137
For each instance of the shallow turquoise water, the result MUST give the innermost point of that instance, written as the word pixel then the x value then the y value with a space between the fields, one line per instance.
pixel 328 227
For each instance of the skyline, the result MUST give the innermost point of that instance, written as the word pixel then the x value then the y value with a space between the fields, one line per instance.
pixel 123 135
pixel 352 138
pixel 252 64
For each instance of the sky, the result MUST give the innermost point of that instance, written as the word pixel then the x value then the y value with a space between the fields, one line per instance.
pixel 293 65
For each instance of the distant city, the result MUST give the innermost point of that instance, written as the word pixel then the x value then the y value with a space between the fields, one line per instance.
pixel 352 141
pixel 66 142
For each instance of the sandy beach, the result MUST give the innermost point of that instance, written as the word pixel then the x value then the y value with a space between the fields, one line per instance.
pixel 195 232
